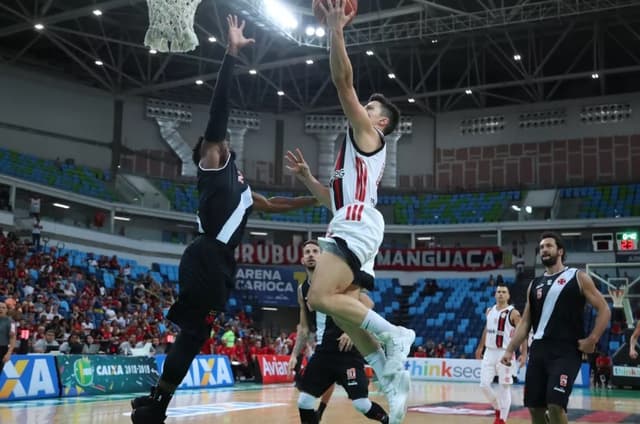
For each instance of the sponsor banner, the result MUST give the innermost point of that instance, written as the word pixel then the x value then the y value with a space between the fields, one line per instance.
pixel 624 371
pixel 206 371
pixel 468 370
pixel 105 374
pixel 440 259
pixel 430 259
pixel 267 285
pixel 273 368
pixel 29 377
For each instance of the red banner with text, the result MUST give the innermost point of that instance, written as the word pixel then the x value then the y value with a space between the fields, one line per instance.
pixel 426 259
pixel 273 368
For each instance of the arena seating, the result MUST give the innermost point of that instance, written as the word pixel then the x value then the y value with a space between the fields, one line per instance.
pixel 78 179
pixel 605 201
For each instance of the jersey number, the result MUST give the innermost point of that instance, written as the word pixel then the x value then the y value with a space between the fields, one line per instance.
pixel 354 212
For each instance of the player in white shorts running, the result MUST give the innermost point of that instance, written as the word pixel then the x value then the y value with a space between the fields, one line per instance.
pixel 355 233
pixel 502 319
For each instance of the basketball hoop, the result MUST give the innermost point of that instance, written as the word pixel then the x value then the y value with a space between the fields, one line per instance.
pixel 171 25
pixel 617 295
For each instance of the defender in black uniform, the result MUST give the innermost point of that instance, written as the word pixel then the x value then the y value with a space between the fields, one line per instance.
pixel 207 267
pixel 555 311
pixel 335 360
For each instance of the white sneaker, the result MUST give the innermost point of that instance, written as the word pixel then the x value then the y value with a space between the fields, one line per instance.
pixel 397 345
pixel 397 394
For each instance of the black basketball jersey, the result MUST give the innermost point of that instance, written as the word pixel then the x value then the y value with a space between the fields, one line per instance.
pixel 557 305
pixel 225 203
pixel 327 332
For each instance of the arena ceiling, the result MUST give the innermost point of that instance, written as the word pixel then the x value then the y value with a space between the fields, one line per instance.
pixel 445 54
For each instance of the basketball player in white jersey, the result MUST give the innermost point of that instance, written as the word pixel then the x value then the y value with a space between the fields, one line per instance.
pixel 357 228
pixel 502 319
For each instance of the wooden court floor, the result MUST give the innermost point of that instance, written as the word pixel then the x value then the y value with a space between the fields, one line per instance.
pixel 250 403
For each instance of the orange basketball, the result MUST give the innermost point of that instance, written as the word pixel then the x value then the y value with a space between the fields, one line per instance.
pixel 350 6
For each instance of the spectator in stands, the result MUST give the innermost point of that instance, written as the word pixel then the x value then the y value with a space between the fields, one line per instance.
pixel 431 288
pixel 48 344
pixel 491 282
pixel 125 348
pixel 440 350
pixel 499 280
pixel 431 348
pixel 517 260
pixel 283 344
pixel 420 352
pixel 90 347
pixel 603 370
pixel 35 233
pixel 228 337
pixel 239 361
pixel 72 346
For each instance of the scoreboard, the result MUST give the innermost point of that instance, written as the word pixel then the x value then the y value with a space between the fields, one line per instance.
pixel 627 241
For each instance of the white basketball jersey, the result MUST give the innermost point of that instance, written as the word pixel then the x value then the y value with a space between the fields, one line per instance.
pixel 499 328
pixel 356 174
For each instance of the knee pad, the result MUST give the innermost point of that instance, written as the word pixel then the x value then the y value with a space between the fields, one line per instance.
pixel 306 401
pixel 362 405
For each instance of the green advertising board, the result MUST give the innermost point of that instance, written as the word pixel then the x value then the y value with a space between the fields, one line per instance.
pixel 87 375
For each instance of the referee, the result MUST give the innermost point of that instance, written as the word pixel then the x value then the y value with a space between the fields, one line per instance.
pixel 7 336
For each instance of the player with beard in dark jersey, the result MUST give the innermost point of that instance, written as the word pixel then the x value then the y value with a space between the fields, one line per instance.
pixel 335 360
pixel 207 267
pixel 555 312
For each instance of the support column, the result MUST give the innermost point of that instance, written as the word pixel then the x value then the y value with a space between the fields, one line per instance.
pixel 390 176
pixel 237 144
pixel 12 197
pixel 326 155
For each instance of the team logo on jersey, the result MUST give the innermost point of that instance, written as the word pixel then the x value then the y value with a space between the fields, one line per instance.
pixel 503 315
pixel 564 378
pixel 549 282
pixel 338 174
pixel 539 294
pixel 561 281
pixel 351 374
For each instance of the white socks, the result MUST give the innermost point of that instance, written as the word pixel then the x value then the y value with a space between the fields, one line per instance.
pixel 375 324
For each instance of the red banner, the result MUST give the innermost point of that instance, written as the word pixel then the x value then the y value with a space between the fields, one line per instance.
pixel 440 259
pixel 428 259
pixel 274 368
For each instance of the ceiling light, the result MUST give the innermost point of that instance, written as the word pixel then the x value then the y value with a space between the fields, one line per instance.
pixel 280 14
pixel 434 41
pixel 280 93
pixel 39 27
pixel 309 62
pixel 468 91
pixel 369 52
pixel 528 209
pixel 320 32
pixel 61 206
pixel 516 208
pixel 411 100
pixel 121 218
pixel 269 308
pixel 310 31
pixel 517 57
pixel 391 75
pixel 424 238
pixel 258 233
pixel 153 51
pixel 253 71
pixel 199 82
pixel 97 12
pixel 595 75
pixel 98 62
pixel 571 234
pixel 212 39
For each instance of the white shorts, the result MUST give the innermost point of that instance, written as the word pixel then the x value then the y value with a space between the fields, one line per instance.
pixel 361 226
pixel 491 367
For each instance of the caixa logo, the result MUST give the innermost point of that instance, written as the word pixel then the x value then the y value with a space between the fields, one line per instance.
pixel 205 371
pixel 29 378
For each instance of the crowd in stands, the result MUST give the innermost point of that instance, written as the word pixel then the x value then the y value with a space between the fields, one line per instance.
pixel 59 308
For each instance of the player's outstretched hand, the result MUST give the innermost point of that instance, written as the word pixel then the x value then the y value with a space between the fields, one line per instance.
pixel 344 343
pixel 297 164
pixel 334 12
pixel 236 37
pixel 506 359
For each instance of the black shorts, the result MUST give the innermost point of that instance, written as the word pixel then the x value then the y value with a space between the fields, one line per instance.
pixel 325 369
pixel 551 372
pixel 3 351
pixel 206 275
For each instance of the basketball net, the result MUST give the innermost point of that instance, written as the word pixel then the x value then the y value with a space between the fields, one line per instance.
pixel 617 295
pixel 171 25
